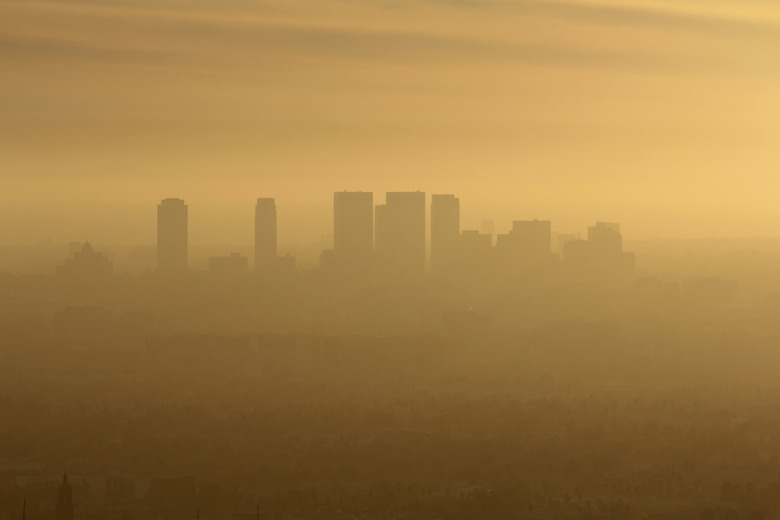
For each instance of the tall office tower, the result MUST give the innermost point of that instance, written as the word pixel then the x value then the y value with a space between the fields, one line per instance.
pixel 172 236
pixel 405 252
pixel 380 228
pixel 605 238
pixel 606 250
pixel 526 248
pixel 353 229
pixel 445 235
pixel 265 236
pixel 532 238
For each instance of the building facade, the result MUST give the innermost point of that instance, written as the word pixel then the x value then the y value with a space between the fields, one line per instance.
pixel 445 235
pixel 405 235
pixel 172 246
pixel 265 236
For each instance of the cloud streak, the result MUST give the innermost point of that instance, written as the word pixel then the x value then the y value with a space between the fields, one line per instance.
pixel 119 37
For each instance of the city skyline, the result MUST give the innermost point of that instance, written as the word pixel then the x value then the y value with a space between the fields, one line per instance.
pixel 265 210
pixel 660 115
pixel 401 239
pixel 389 242
pixel 309 223
pixel 357 234
pixel 389 259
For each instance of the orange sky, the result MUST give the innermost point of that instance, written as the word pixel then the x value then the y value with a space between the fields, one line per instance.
pixel 664 116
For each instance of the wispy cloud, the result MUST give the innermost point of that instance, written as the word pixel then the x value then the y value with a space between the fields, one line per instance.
pixel 118 35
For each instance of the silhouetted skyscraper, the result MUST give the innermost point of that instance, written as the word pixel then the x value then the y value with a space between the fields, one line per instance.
pixel 172 236
pixel 265 236
pixel 353 229
pixel 405 252
pixel 606 246
pixel 526 249
pixel 601 256
pixel 445 235
pixel 533 238
pixel 605 238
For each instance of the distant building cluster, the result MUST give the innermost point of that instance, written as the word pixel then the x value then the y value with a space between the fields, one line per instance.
pixel 86 262
pixel 388 242
pixel 172 233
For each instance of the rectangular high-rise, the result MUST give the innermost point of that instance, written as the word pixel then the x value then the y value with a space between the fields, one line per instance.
pixel 353 226
pixel 606 249
pixel 405 241
pixel 445 235
pixel 532 238
pixel 527 248
pixel 172 236
pixel 605 238
pixel 265 236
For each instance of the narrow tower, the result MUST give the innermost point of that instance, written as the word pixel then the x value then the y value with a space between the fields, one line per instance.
pixel 445 235
pixel 265 236
pixel 353 231
pixel 405 240
pixel 172 236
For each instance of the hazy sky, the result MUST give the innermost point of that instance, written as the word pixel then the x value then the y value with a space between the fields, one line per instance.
pixel 664 116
